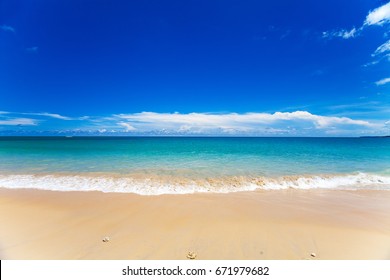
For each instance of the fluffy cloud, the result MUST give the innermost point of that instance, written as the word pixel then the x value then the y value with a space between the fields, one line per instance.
pixel 378 16
pixel 296 123
pixel 233 122
pixel 382 82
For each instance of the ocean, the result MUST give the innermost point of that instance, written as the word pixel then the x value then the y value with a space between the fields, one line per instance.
pixel 182 165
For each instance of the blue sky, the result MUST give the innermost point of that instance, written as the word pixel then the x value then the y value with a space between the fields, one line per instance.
pixel 266 68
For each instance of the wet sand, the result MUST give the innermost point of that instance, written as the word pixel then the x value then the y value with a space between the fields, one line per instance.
pixel 283 224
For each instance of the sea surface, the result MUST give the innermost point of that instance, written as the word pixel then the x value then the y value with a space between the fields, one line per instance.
pixel 178 165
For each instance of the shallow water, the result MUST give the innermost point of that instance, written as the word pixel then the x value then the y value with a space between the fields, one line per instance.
pixel 156 165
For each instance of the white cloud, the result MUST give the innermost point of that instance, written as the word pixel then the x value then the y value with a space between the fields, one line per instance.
pixel 343 33
pixel 7 28
pixel 55 116
pixel 371 63
pixel 382 48
pixel 127 126
pixel 349 34
pixel 293 123
pixel 45 114
pixel 382 82
pixel 378 16
pixel 19 121
pixel 232 122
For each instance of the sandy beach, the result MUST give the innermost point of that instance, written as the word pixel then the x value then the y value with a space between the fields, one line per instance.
pixel 283 224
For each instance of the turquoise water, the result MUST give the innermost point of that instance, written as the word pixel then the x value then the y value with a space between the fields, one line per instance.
pixel 175 164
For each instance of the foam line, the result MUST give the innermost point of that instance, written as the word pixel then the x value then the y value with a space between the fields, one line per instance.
pixel 157 185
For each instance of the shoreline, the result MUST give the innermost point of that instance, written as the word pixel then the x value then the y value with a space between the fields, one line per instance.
pixel 272 224
pixel 147 183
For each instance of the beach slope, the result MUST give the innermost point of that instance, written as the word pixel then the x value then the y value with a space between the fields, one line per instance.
pixel 283 224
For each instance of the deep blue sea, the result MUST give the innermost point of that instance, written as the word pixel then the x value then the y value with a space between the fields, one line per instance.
pixel 162 165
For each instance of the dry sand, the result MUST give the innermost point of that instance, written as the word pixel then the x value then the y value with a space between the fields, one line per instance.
pixel 289 224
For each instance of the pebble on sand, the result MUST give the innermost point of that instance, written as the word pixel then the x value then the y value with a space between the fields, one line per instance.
pixel 313 255
pixel 106 239
pixel 191 255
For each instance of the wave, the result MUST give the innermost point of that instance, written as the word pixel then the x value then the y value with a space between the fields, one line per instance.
pixel 147 184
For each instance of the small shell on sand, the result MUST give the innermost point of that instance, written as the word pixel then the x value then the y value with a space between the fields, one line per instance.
pixel 106 239
pixel 191 255
pixel 313 255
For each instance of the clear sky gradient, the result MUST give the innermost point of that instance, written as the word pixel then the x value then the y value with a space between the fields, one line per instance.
pixel 202 67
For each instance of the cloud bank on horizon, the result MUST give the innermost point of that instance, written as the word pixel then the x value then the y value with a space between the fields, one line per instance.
pixel 296 123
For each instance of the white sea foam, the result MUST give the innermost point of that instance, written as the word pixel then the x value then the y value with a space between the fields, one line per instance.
pixel 158 185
